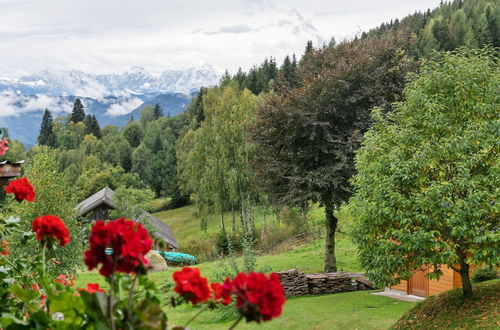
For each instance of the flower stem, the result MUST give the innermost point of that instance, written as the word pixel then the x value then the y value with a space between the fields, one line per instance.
pixel 196 315
pixel 130 295
pixel 110 297
pixel 236 323
pixel 44 266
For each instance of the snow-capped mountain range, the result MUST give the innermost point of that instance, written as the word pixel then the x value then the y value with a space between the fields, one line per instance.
pixel 113 98
pixel 135 81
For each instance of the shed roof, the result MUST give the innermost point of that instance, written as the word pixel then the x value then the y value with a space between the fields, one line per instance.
pixel 164 232
pixel 104 196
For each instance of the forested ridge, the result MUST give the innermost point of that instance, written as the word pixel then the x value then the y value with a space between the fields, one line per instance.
pixel 279 135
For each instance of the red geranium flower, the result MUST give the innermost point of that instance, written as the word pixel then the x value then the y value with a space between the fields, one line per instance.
pixel 191 286
pixel 50 227
pixel 258 298
pixel 119 245
pixel 3 146
pixel 219 295
pixel 4 248
pixel 92 288
pixel 22 189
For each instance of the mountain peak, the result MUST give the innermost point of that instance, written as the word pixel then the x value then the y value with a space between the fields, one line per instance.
pixel 137 79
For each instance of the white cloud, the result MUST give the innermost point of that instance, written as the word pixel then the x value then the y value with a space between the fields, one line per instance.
pixel 98 36
pixel 124 108
pixel 17 105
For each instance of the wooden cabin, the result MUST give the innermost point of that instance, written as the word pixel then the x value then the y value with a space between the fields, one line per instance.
pixel 97 207
pixel 8 170
pixel 419 285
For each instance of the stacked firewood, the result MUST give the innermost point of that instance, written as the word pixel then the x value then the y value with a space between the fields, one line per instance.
pixel 329 283
pixel 294 282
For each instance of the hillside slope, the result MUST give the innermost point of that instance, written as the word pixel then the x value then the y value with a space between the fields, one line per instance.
pixel 450 310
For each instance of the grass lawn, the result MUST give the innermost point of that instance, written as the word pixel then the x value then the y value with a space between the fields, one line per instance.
pixel 449 310
pixel 352 310
pixel 307 257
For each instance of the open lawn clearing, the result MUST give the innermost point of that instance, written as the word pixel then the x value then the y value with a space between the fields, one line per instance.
pixel 351 310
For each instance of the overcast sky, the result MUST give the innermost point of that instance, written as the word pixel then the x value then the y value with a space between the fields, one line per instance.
pixel 104 36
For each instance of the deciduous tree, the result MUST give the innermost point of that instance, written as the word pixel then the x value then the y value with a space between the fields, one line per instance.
pixel 429 174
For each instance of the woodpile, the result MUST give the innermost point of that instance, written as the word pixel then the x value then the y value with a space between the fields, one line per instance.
pixel 329 283
pixel 294 282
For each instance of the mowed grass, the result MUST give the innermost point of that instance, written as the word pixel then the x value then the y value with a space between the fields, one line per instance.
pixel 352 310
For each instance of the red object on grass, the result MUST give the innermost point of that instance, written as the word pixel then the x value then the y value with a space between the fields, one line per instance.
pixel 50 227
pixel 191 286
pixel 258 297
pixel 118 245
pixel 22 189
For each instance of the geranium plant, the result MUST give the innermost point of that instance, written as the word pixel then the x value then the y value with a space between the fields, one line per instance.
pixel 32 299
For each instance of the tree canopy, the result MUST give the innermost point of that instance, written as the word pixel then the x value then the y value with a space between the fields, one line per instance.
pixel 427 187
pixel 307 135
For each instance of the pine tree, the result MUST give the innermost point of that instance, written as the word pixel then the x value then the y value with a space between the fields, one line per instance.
pixel 240 78
pixel 458 28
pixel 92 126
pixel 47 136
pixel 78 114
pixel 96 130
pixel 252 81
pixel 157 111
pixel 308 51
pixel 226 79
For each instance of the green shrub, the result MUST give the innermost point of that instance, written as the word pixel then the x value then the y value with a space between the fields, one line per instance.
pixel 485 274
pixel 226 244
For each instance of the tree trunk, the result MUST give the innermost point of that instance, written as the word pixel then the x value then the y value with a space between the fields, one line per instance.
pixel 264 229
pixel 233 220
pixel 222 225
pixel 331 228
pixel 464 274
pixel 243 219
pixel 304 209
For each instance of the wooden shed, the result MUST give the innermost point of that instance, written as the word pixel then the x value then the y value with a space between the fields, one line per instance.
pixel 163 235
pixel 97 206
pixel 419 285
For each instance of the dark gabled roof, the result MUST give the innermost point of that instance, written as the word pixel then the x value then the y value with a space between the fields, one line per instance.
pixel 12 163
pixel 104 196
pixel 163 230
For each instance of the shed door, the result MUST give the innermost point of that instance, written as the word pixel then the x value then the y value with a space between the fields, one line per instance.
pixel 418 284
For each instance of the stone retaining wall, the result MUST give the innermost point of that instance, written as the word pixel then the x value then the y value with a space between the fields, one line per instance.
pixel 296 283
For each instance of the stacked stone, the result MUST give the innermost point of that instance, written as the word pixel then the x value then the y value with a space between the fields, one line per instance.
pixel 294 282
pixel 329 283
